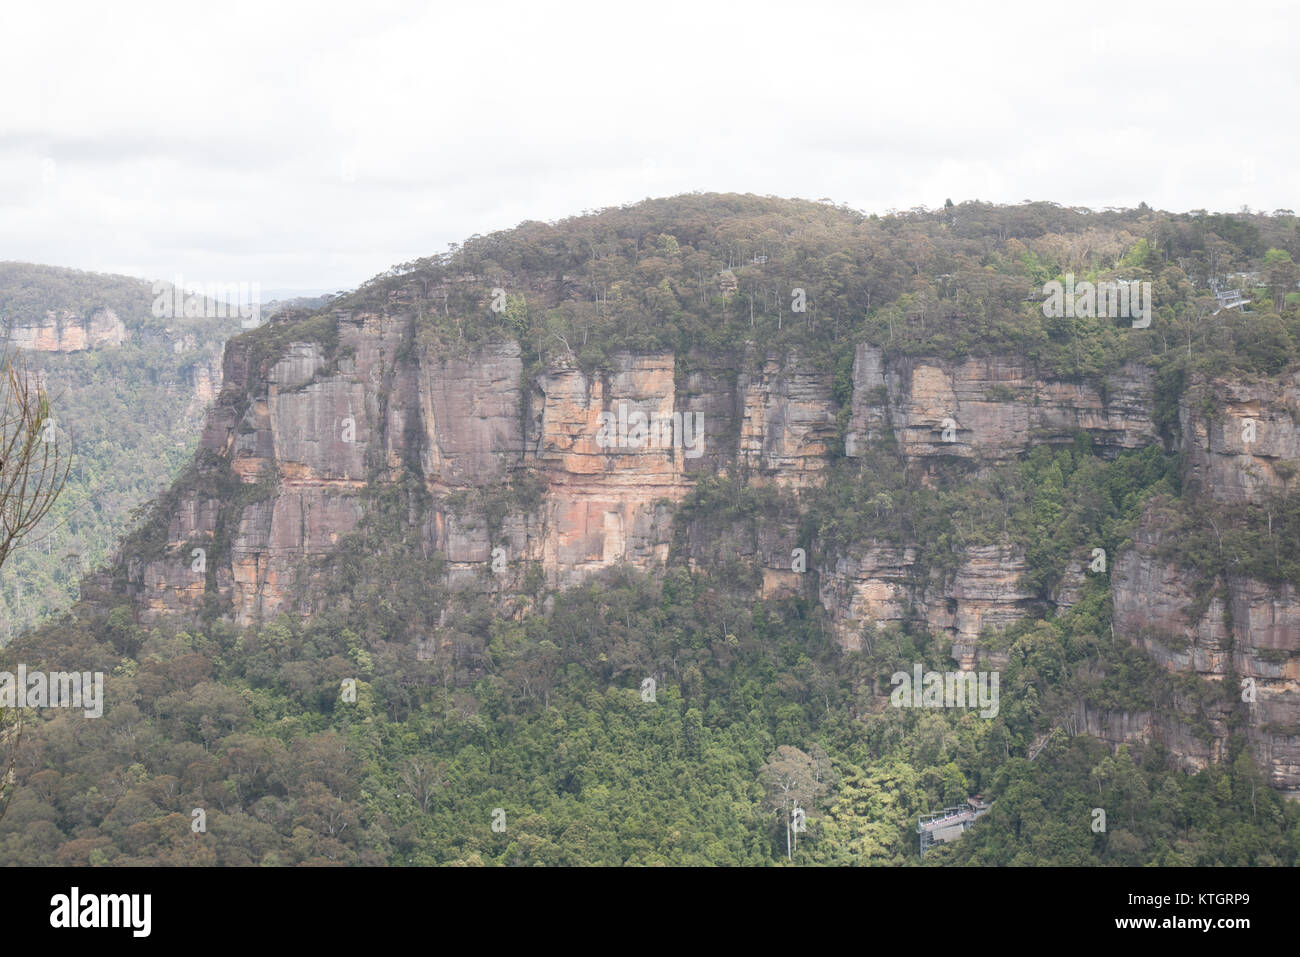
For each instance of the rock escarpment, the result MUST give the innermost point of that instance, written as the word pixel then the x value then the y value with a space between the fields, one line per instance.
pixel 984 410
pixel 1241 445
pixel 1242 438
pixel 317 429
pixel 307 427
pixel 65 331
pixel 320 428
pixel 991 408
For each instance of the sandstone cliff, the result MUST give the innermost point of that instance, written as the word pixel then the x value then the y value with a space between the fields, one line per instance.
pixel 1233 629
pixel 326 427
pixel 66 331
pixel 308 427
pixel 323 428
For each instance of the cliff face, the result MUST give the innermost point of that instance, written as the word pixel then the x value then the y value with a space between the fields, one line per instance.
pixel 205 383
pixel 990 408
pixel 987 410
pixel 65 331
pixel 881 584
pixel 1242 438
pixel 313 429
pixel 322 431
pixel 1241 444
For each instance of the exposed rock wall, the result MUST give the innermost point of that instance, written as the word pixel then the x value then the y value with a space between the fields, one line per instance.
pixel 1242 438
pixel 65 331
pixel 312 429
pixel 1241 631
pixel 467 422
pixel 1241 445
pixel 991 408
pixel 320 431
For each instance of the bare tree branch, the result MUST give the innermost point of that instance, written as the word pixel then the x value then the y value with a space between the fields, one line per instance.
pixel 33 471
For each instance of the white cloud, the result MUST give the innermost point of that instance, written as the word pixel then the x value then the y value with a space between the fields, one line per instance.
pixel 313 146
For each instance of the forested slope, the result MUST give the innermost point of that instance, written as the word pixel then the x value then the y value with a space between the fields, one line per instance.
pixel 358 675
pixel 129 389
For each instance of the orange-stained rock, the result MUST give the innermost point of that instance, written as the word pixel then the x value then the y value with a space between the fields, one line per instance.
pixel 65 331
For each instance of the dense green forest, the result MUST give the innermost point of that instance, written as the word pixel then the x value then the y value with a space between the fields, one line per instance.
pixel 713 272
pixel 531 739
pixel 546 721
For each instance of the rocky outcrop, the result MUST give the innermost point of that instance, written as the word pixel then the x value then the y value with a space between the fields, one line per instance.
pixel 788 423
pixel 881 584
pixel 1195 747
pixel 991 408
pixel 984 594
pixel 204 381
pixel 1241 444
pixel 66 331
pixel 1240 630
pixel 986 410
pixel 612 453
pixel 869 589
pixel 1242 438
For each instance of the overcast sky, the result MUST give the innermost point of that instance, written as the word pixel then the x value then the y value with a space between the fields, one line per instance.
pixel 313 146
